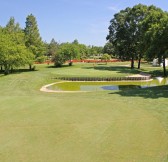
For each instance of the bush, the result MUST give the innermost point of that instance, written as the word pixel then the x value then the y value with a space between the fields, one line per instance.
pixel 41 59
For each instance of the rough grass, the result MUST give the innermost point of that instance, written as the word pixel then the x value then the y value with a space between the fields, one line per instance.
pixel 115 126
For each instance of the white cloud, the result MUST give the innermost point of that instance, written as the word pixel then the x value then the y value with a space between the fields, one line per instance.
pixel 114 8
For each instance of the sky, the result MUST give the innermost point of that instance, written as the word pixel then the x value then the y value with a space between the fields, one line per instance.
pixel 67 20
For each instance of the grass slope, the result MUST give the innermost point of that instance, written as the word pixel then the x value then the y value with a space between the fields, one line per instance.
pixel 115 126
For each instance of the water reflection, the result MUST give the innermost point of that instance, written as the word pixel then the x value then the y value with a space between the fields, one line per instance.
pixel 120 87
pixel 127 85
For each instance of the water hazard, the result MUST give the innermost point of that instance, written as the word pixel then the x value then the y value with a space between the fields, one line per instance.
pixel 102 86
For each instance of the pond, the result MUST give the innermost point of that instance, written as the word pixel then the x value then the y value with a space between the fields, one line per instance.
pixel 101 86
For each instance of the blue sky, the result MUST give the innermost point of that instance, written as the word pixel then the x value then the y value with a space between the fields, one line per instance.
pixel 66 20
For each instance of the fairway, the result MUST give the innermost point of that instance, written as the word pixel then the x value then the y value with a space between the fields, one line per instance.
pixel 104 126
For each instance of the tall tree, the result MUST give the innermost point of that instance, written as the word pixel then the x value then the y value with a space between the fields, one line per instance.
pixel 109 49
pixel 156 35
pixel 33 40
pixel 137 15
pixel 11 25
pixel 52 47
pixel 119 35
pixel 125 32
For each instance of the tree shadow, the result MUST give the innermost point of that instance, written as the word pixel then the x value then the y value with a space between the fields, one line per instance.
pixel 150 92
pixel 118 69
pixel 125 69
pixel 24 70
pixel 156 73
pixel 17 71
pixel 55 67
pixel 1 71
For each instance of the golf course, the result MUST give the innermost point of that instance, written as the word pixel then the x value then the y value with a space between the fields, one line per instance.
pixel 128 125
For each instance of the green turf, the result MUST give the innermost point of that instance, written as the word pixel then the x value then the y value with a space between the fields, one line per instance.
pixel 107 126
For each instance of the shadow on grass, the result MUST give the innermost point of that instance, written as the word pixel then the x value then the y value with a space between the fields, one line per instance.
pixel 152 92
pixel 119 69
pixel 63 66
pixel 156 73
pixel 17 71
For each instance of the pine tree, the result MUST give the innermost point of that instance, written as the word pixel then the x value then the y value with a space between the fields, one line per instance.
pixel 33 40
pixel 52 47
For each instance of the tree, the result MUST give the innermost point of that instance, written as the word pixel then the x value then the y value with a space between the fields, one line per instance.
pixel 125 32
pixel 52 47
pixel 58 59
pixel 13 52
pixel 66 52
pixel 83 51
pixel 106 57
pixel 95 51
pixel 138 14
pixel 75 42
pixel 11 26
pixel 119 35
pixel 156 35
pixel 33 40
pixel 109 48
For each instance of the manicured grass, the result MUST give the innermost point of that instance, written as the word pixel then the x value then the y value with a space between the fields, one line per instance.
pixel 107 126
pixel 96 70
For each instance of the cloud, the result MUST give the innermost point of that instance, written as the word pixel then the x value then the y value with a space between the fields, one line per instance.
pixel 113 8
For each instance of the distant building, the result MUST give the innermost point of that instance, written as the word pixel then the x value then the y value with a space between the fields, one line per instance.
pixel 156 62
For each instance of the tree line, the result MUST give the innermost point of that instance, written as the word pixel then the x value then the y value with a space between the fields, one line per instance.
pixel 140 32
pixel 20 47
pixel 60 53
